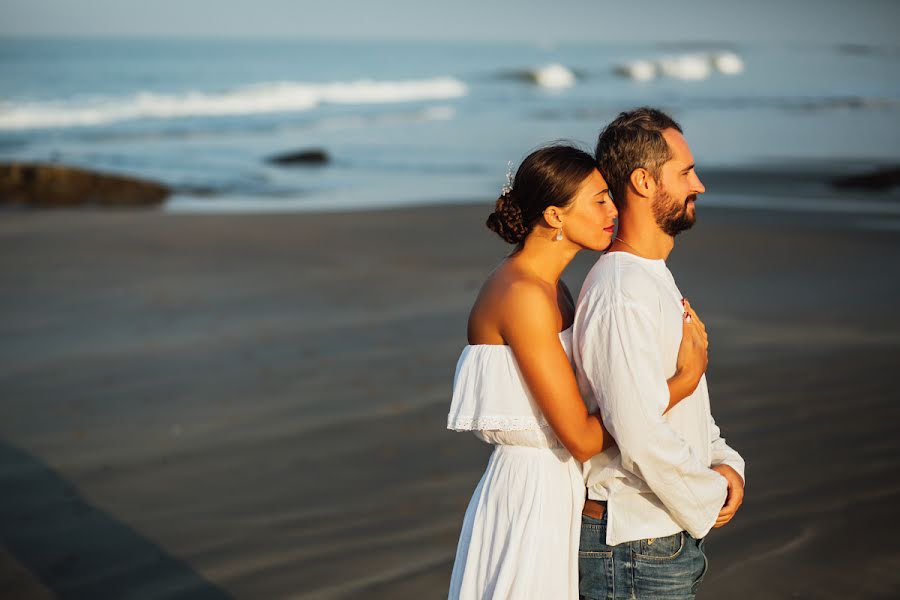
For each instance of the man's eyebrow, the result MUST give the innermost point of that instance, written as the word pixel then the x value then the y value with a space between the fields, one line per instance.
pixel 688 168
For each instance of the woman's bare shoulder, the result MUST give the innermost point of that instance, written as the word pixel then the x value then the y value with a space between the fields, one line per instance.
pixel 509 296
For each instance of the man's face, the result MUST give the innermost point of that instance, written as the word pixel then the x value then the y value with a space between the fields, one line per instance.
pixel 678 187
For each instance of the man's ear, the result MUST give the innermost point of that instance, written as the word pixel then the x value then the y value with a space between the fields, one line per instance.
pixel 642 183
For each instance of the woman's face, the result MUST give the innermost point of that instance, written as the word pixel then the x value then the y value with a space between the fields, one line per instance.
pixel 589 220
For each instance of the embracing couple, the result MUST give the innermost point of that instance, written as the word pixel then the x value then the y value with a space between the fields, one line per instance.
pixel 608 469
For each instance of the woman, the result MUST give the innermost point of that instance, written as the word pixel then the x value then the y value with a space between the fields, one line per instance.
pixel 515 386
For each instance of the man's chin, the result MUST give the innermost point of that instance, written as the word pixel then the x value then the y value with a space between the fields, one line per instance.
pixel 690 213
pixel 685 222
pixel 675 224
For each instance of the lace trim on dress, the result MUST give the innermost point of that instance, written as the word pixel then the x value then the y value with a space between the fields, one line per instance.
pixel 492 423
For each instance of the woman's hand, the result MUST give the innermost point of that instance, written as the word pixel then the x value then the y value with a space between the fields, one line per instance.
pixel 693 354
pixel 693 357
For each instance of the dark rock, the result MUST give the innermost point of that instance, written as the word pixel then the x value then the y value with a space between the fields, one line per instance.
pixel 881 179
pixel 47 185
pixel 314 156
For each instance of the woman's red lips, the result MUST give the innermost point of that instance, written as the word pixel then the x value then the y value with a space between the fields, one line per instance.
pixel 610 229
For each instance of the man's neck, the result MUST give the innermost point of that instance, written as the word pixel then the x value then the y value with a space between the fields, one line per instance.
pixel 642 238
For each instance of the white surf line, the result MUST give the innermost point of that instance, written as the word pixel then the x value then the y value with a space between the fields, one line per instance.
pixel 850 207
pixel 253 99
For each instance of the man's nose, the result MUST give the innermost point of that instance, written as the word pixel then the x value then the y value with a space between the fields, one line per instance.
pixel 698 186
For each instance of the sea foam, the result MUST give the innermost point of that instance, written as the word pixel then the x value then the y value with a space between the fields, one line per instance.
pixel 254 99
pixel 695 66
pixel 638 70
pixel 686 67
pixel 554 76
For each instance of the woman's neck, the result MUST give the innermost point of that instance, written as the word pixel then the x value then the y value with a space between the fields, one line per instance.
pixel 546 258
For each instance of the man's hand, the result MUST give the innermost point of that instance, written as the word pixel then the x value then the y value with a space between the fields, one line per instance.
pixel 735 494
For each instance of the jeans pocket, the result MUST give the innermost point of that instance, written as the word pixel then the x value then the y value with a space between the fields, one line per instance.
pixel 595 561
pixel 669 570
pixel 662 548
pixel 705 568
pixel 595 575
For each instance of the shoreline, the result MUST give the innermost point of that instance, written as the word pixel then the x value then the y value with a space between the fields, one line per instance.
pixel 844 187
pixel 880 206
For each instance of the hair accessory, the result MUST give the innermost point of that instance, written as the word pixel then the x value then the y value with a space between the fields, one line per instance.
pixel 509 179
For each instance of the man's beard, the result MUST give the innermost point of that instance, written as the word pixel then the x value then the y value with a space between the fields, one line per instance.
pixel 671 216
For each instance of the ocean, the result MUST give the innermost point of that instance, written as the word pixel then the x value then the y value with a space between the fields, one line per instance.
pixel 414 122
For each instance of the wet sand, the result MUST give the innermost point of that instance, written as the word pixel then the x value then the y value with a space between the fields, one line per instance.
pixel 205 406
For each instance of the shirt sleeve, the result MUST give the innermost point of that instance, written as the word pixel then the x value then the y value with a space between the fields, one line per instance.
pixel 621 360
pixel 722 453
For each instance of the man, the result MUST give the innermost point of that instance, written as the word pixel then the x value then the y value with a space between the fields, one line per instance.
pixel 651 501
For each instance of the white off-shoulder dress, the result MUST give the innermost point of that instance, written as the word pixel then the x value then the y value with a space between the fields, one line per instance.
pixel 520 535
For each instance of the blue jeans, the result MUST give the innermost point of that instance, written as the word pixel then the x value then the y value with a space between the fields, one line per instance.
pixel 666 568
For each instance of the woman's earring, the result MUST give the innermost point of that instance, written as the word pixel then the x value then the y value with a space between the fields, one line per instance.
pixel 559 235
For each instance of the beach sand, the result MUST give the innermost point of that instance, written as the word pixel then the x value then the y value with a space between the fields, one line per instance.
pixel 204 406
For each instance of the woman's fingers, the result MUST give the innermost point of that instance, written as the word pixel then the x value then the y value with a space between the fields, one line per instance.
pixel 689 315
pixel 696 318
pixel 690 310
pixel 692 318
pixel 694 329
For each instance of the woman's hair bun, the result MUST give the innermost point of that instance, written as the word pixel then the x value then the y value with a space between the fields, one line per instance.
pixel 549 176
pixel 507 220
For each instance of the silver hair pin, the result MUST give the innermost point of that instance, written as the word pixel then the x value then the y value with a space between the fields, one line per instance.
pixel 509 179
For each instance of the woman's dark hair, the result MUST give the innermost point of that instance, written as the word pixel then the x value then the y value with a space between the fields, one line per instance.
pixel 549 176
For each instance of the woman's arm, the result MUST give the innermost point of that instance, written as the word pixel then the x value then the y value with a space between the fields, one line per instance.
pixel 530 327
pixel 681 385
pixel 692 358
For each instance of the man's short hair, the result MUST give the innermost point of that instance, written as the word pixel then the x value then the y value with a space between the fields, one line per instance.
pixel 633 140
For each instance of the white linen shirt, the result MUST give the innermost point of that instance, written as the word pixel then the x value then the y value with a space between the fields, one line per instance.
pixel 627 331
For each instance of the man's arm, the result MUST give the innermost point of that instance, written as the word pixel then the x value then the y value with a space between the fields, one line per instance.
pixel 621 359
pixel 722 453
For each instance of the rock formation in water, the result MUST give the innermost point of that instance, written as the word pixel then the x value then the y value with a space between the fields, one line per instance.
pixel 51 185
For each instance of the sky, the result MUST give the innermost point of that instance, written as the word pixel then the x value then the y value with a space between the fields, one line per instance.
pixel 823 21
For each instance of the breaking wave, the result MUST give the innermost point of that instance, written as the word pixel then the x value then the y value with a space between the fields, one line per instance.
pixel 685 67
pixel 254 99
